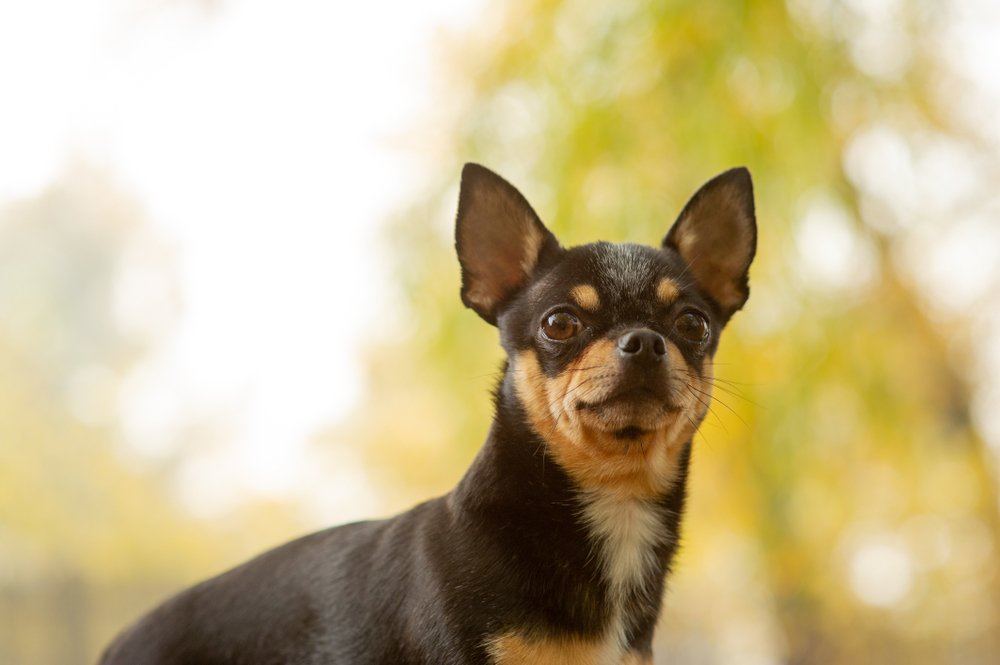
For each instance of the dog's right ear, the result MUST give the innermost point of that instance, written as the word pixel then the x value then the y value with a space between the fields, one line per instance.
pixel 499 240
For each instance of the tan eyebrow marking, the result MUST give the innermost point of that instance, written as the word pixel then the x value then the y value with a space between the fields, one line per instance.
pixel 667 290
pixel 586 297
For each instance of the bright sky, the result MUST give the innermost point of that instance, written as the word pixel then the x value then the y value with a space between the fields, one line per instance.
pixel 257 139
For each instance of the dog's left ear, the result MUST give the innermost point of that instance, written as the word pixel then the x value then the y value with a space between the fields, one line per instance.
pixel 716 235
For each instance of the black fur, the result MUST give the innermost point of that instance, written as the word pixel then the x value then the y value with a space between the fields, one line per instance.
pixel 507 550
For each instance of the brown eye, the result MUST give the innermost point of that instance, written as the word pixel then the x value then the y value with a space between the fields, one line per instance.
pixel 692 326
pixel 560 326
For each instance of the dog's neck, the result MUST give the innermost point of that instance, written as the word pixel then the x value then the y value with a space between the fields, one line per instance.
pixel 613 550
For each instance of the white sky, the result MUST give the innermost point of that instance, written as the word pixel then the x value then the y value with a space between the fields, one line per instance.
pixel 257 139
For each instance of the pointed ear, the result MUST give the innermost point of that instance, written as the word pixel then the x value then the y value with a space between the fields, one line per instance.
pixel 716 235
pixel 499 240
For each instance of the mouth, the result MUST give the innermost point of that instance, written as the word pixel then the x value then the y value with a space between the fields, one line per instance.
pixel 639 397
pixel 629 414
pixel 630 433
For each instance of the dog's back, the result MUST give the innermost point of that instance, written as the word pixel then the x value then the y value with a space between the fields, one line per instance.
pixel 330 597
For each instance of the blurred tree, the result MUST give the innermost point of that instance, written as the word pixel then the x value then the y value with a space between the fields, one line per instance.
pixel 844 507
pixel 87 540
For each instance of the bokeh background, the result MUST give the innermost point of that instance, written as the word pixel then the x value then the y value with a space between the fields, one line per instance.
pixel 229 310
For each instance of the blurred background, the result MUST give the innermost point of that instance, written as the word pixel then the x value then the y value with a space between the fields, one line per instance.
pixel 229 305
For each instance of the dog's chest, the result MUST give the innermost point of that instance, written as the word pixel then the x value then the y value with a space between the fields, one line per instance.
pixel 627 533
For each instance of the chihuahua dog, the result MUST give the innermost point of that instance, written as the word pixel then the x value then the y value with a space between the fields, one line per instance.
pixel 555 545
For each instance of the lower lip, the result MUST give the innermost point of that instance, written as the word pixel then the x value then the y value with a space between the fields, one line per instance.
pixel 629 433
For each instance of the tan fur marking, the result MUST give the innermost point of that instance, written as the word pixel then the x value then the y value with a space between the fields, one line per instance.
pixel 582 442
pixel 667 291
pixel 480 294
pixel 514 649
pixel 586 297
pixel 533 240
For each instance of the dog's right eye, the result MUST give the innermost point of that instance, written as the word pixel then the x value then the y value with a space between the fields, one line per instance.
pixel 561 326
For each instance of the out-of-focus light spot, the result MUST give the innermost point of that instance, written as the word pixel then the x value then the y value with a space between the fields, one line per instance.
pixel 947 173
pixel 750 640
pixel 832 255
pixel 876 10
pixel 879 46
pixel 956 266
pixel 769 311
pixel 744 82
pixel 878 160
pixel 882 51
pixel 517 115
pixel 881 572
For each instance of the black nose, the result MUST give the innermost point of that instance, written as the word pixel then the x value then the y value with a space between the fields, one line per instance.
pixel 642 344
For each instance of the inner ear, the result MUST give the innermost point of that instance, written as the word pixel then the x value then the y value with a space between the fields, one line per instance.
pixel 499 239
pixel 716 235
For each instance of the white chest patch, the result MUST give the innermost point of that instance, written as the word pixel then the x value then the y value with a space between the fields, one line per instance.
pixel 627 529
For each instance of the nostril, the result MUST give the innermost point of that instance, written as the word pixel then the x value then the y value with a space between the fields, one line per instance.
pixel 642 342
pixel 659 346
pixel 631 344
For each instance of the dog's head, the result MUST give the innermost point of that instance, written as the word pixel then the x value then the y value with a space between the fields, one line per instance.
pixel 610 346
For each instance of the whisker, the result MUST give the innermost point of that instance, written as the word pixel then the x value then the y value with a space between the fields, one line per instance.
pixel 589 379
pixel 722 403
pixel 545 445
pixel 729 391
pixel 706 405
pixel 716 383
pixel 557 417
pixel 738 395
pixel 732 383
pixel 708 442
pixel 728 387
pixel 688 266
pixel 642 449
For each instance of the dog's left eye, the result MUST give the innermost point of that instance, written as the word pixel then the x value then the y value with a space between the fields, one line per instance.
pixel 561 326
pixel 692 326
